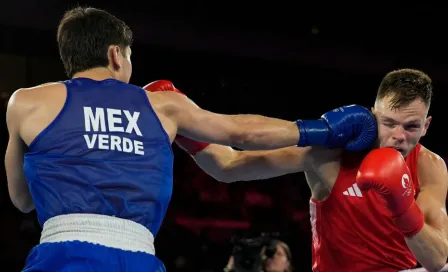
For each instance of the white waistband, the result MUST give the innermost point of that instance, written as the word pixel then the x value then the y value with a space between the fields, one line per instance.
pixel 98 229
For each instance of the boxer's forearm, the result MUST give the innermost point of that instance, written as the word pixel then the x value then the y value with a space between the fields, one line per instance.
pixel 227 165
pixel 20 195
pixel 245 131
pixel 261 133
pixel 430 248
pixel 23 202
pixel 18 189
pixel 215 160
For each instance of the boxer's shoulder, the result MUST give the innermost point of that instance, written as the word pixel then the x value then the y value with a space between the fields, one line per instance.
pixel 430 161
pixel 432 173
pixel 44 86
pixel 36 92
pixel 24 100
pixel 425 154
pixel 170 103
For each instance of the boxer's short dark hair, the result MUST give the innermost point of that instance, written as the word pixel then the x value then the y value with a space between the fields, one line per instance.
pixel 84 36
pixel 405 86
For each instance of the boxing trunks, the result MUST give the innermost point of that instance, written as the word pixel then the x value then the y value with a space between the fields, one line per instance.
pixel 90 242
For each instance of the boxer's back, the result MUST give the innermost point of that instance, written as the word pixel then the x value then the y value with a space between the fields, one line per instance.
pixel 105 152
pixel 353 231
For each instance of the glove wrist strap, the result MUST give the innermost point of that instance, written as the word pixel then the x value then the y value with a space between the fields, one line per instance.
pixel 411 221
pixel 189 145
pixel 312 133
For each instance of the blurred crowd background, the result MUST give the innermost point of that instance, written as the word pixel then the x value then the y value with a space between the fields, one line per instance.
pixel 287 60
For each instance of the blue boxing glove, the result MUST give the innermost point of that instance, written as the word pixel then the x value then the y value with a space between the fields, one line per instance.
pixel 351 127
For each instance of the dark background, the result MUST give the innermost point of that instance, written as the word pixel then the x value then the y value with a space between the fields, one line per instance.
pixel 282 59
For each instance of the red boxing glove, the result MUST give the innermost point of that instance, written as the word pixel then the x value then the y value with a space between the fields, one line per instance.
pixel 385 171
pixel 161 86
pixel 189 145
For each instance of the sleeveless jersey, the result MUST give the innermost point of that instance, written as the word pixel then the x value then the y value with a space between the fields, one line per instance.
pixel 353 230
pixel 105 153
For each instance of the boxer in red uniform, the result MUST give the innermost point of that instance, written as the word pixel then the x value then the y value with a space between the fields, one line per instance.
pixel 382 210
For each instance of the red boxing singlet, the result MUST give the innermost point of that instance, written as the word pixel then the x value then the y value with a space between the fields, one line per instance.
pixel 353 231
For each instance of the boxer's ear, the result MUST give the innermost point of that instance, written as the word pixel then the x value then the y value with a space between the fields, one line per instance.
pixel 115 56
pixel 427 123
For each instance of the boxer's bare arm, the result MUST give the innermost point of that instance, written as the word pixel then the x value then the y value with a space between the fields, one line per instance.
pixel 430 245
pixel 228 165
pixel 245 131
pixel 17 185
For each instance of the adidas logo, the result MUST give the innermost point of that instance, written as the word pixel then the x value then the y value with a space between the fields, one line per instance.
pixel 353 191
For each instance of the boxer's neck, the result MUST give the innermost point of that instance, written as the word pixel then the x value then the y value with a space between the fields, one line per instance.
pixel 100 73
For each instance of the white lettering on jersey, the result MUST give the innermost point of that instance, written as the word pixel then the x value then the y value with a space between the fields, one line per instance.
pixel 96 120
pixel 91 120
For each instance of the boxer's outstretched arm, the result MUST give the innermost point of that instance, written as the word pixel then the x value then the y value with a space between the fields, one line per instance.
pixel 228 165
pixel 245 131
pixel 430 245
pixel 17 185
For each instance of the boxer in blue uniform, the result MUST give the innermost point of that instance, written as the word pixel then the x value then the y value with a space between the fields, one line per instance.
pixel 93 154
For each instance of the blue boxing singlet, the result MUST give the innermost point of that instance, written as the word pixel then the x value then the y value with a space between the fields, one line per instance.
pixel 105 153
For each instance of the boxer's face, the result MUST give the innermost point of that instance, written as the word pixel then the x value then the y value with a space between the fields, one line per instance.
pixel 279 262
pixel 401 128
